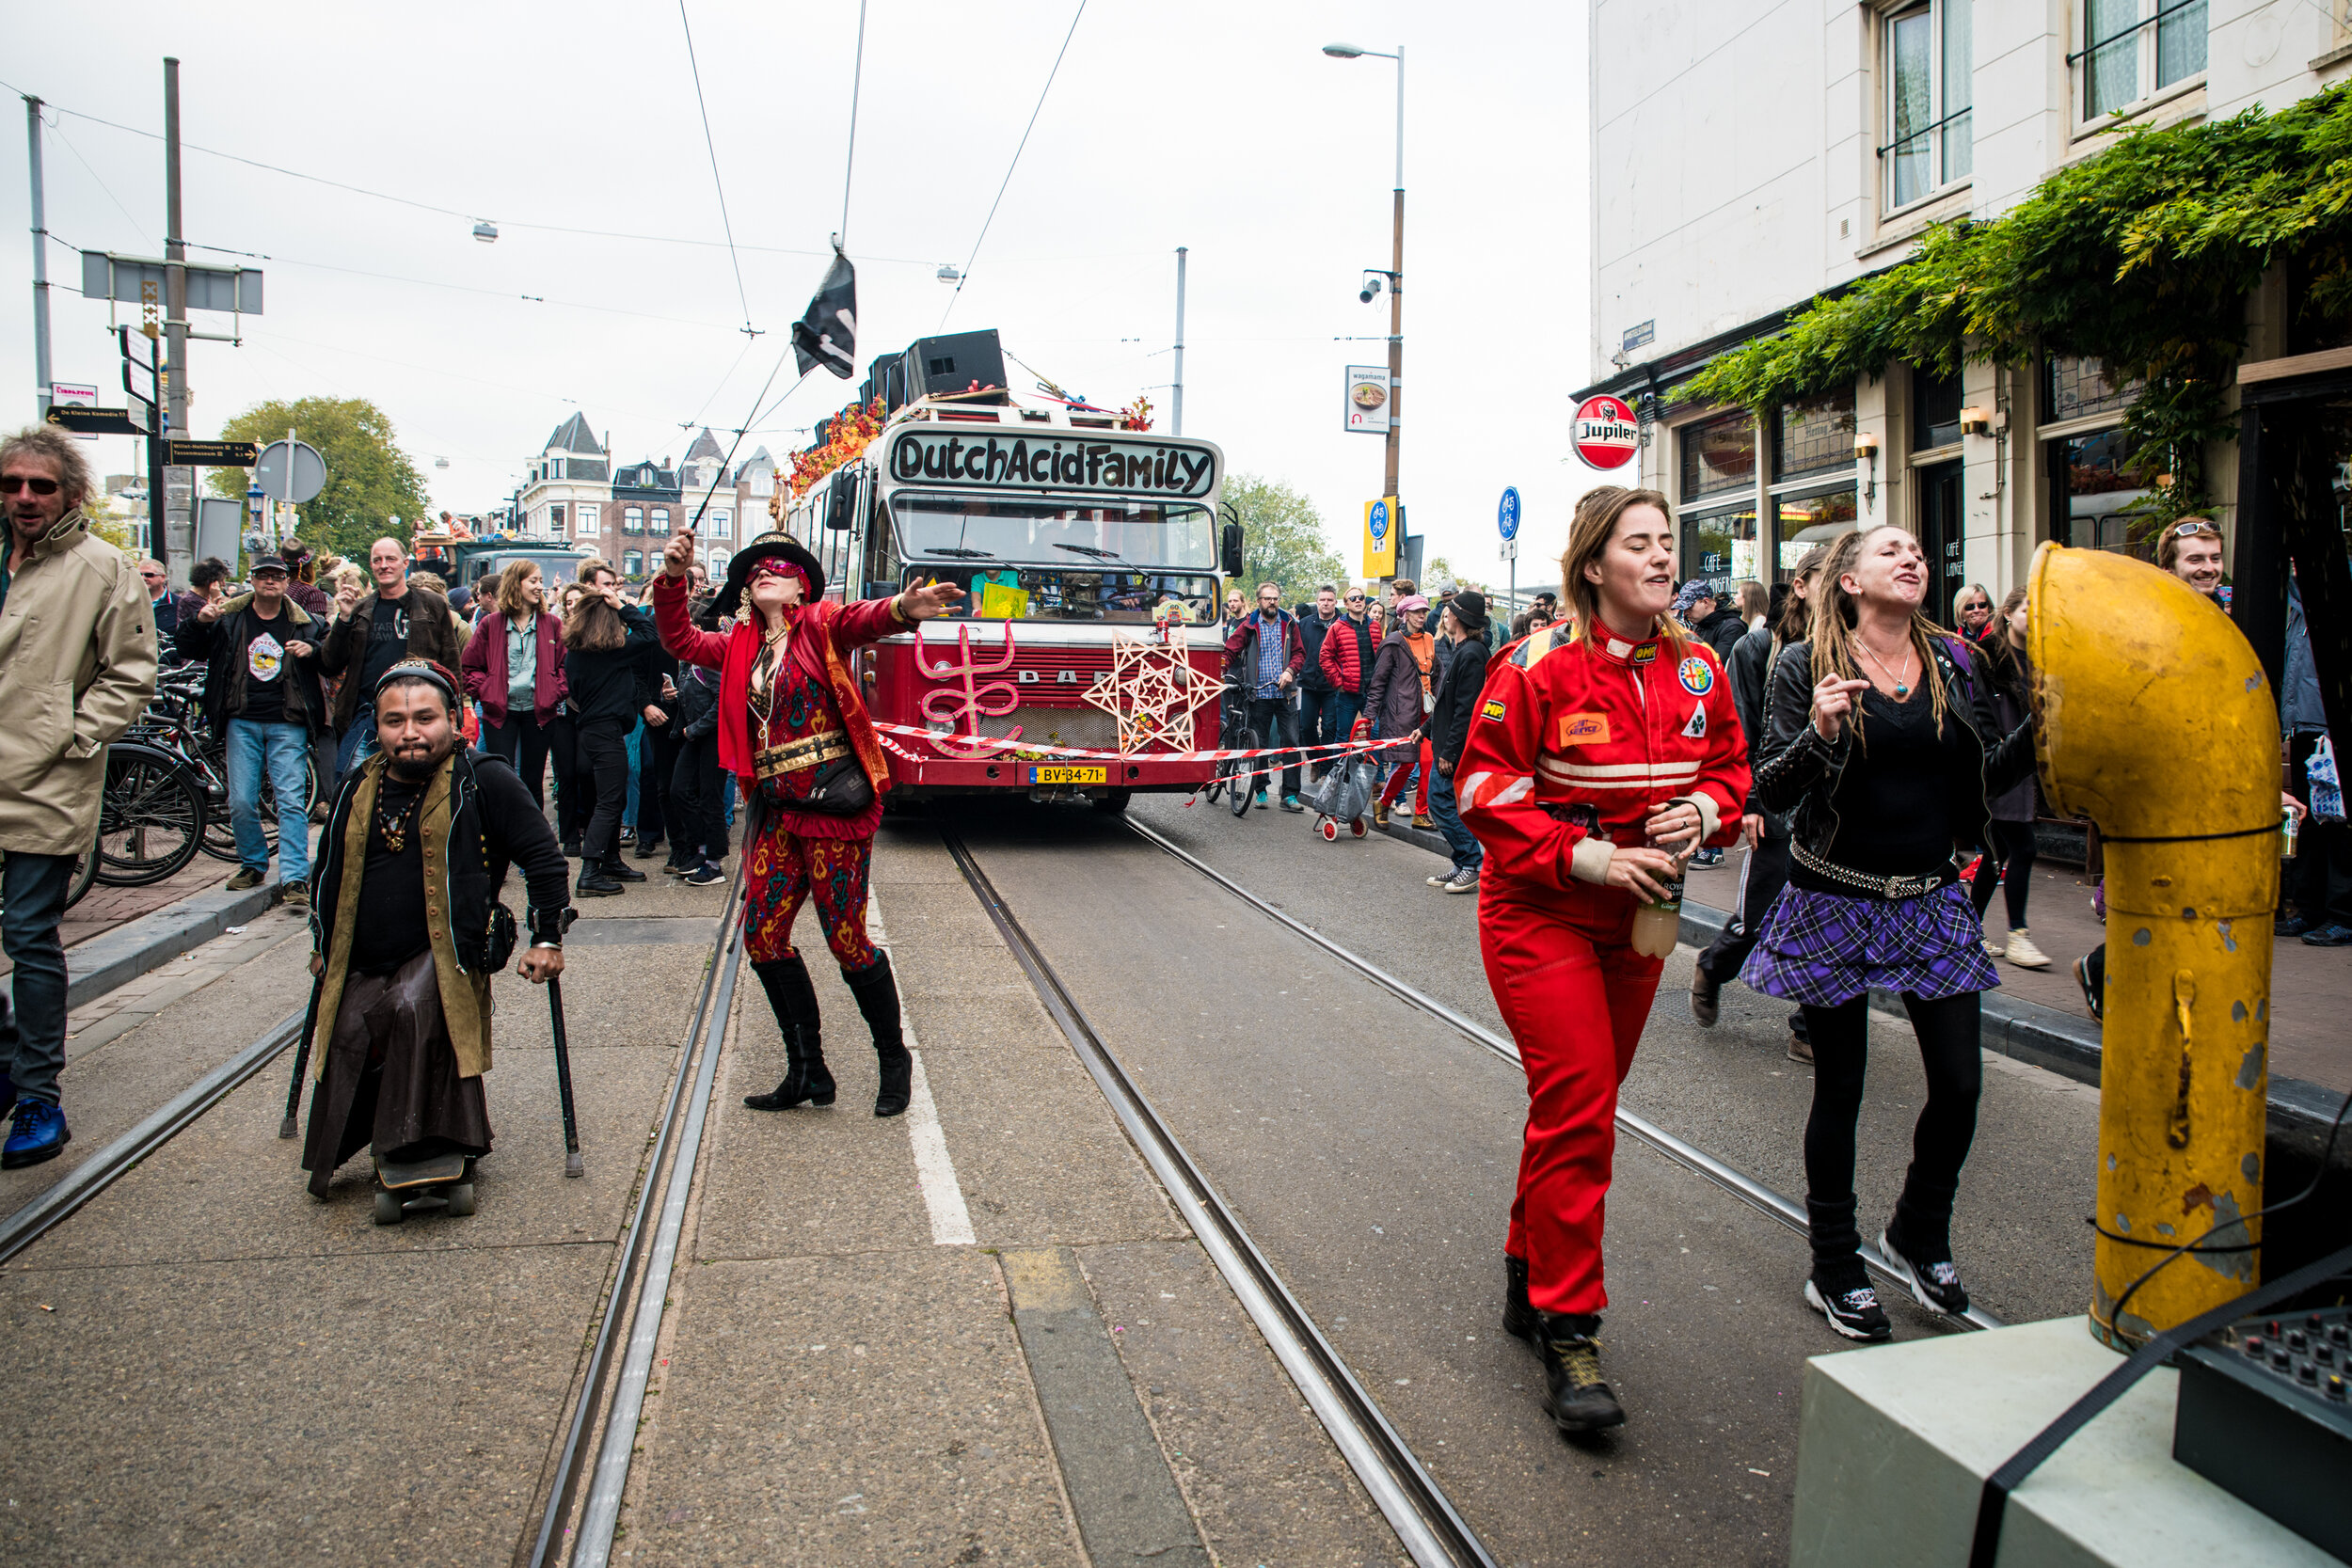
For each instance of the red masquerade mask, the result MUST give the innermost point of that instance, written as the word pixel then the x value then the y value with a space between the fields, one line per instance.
pixel 775 567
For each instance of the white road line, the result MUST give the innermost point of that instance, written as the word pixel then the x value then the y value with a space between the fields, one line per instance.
pixel 951 1222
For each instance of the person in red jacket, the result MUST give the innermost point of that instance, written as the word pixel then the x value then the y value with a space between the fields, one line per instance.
pixel 796 735
pixel 1598 759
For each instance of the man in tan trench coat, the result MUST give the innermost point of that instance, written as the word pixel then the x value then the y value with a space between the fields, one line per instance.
pixel 77 665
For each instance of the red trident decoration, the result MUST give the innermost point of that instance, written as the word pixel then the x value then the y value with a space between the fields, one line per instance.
pixel 968 703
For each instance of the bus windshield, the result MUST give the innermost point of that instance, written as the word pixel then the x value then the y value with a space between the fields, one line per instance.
pixel 1115 532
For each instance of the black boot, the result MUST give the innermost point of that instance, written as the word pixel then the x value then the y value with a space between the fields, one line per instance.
pixel 877 995
pixel 620 870
pixel 593 883
pixel 1573 1396
pixel 806 1080
pixel 1518 1314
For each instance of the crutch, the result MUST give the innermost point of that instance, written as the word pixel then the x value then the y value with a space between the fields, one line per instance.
pixel 302 1056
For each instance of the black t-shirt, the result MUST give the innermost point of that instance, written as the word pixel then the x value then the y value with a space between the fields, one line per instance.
pixel 1894 805
pixel 387 644
pixel 391 888
pixel 265 661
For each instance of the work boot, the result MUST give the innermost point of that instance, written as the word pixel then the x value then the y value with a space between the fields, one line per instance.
pixel 1518 1314
pixel 41 1134
pixel 1379 813
pixel 243 878
pixel 1573 1396
pixel 593 883
pixel 1424 820
pixel 806 1079
pixel 1705 996
pixel 876 994
pixel 620 870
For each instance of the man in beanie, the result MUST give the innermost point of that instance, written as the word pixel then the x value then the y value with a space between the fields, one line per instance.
pixel 1464 626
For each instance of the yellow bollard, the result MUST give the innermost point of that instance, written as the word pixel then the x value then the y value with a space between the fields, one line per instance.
pixel 2158 725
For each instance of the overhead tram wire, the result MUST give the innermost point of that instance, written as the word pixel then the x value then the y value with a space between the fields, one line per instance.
pixel 966 275
pixel 724 222
pixel 849 166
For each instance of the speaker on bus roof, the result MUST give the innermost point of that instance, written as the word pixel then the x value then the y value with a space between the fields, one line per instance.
pixel 937 367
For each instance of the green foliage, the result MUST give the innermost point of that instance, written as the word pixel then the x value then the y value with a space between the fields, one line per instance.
pixel 368 478
pixel 2142 257
pixel 1284 539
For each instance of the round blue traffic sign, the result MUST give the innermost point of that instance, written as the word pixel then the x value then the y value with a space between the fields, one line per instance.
pixel 1507 515
pixel 1379 521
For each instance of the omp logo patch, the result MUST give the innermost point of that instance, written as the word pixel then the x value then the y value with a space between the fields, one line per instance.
pixel 1646 653
pixel 1491 708
pixel 1584 729
pixel 1696 674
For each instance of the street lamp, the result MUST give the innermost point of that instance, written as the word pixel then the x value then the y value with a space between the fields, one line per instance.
pixel 1394 274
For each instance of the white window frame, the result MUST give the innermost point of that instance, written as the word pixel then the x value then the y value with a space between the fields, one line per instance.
pixel 1944 126
pixel 587 519
pixel 2146 27
pixel 722 521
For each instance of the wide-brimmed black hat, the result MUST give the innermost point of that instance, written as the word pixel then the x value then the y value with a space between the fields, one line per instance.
pixel 772 545
pixel 1470 607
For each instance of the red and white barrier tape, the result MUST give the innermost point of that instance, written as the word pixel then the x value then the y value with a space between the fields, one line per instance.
pixel 1313 754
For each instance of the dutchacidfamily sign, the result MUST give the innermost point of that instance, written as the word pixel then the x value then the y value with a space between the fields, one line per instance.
pixel 967 459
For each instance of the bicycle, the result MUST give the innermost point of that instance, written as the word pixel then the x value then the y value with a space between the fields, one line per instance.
pixel 1234 735
pixel 174 723
pixel 151 816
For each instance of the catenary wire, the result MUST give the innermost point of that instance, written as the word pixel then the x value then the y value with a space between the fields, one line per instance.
pixel 849 166
pixel 725 223
pixel 966 275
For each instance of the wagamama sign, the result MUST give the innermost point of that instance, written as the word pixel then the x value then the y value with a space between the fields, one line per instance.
pixel 1055 461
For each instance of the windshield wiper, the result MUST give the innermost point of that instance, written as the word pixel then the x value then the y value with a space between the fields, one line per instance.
pixel 960 553
pixel 1089 550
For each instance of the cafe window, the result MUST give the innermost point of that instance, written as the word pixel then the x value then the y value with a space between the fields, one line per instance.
pixel 2076 384
pixel 1809 517
pixel 1815 435
pixel 1930 66
pixel 1719 543
pixel 1719 456
pixel 2135 49
pixel 1934 410
pixel 2094 490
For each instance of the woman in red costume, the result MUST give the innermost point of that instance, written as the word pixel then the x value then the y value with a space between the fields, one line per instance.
pixel 795 733
pixel 1603 753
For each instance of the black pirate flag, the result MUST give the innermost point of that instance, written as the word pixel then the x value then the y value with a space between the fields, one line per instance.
pixel 827 334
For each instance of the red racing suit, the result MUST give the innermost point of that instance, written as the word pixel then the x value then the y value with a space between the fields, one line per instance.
pixel 1574 745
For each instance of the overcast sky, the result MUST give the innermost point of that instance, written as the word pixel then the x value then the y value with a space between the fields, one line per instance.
pixel 1216 126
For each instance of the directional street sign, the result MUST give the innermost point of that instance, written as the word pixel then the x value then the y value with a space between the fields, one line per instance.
pixel 211 454
pixel 1507 515
pixel 139 381
pixel 307 479
pixel 95 421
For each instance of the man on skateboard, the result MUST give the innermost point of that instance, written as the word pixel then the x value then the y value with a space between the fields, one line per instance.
pixel 421 837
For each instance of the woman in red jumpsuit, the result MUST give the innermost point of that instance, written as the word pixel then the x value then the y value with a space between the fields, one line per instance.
pixel 795 733
pixel 1603 753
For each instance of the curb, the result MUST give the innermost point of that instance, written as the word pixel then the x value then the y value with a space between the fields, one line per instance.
pixel 95 967
pixel 2300 1112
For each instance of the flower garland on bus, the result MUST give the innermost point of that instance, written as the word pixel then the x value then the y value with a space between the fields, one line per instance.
pixel 840 440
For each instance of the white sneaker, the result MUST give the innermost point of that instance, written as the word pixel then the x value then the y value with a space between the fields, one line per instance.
pixel 1464 880
pixel 1440 881
pixel 1992 949
pixel 2023 954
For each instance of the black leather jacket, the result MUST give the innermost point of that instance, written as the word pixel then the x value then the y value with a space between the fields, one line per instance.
pixel 1800 772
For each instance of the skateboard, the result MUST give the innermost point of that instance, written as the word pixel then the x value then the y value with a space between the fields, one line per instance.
pixel 443 1181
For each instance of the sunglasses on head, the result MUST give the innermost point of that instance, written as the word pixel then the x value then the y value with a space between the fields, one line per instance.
pixel 11 483
pixel 2183 531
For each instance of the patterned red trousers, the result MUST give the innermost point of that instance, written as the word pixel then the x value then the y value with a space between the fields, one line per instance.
pixel 787 869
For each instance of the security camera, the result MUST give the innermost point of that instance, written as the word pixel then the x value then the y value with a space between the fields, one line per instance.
pixel 1372 287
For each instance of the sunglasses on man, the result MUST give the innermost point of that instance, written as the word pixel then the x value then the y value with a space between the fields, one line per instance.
pixel 11 483
pixel 2186 531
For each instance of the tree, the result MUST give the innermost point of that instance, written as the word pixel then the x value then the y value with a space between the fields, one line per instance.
pixel 1284 539
pixel 368 478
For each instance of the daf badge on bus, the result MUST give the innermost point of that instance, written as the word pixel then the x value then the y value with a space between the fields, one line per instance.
pixel 1604 433
pixel 967 459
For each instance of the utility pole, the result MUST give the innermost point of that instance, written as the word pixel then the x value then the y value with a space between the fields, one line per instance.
pixel 1396 302
pixel 40 262
pixel 1177 419
pixel 178 532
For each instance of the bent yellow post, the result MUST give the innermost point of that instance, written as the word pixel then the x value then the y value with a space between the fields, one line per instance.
pixel 2158 725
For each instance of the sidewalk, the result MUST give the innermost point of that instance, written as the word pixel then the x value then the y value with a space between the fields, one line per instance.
pixel 105 908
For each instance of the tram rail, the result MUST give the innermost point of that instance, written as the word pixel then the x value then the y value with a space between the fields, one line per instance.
pixel 1690 1156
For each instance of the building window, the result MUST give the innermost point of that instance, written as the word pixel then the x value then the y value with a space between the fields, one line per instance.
pixel 632 562
pixel 632 519
pixel 1931 138
pixel 1810 517
pixel 661 519
pixel 1719 456
pixel 762 482
pixel 717 561
pixel 2075 384
pixel 1719 544
pixel 586 518
pixel 2135 48
pixel 1934 410
pixel 2093 490
pixel 1815 435
pixel 720 518
pixel 555 521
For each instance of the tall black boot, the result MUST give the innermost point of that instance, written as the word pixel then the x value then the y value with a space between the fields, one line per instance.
pixel 794 1001
pixel 877 995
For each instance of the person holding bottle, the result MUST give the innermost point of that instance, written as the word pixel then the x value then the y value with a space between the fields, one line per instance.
pixel 1600 755
pixel 1884 750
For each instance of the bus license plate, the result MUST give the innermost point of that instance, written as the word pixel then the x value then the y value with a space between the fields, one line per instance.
pixel 1043 775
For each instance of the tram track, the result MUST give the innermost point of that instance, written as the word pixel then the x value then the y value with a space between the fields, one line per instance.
pixel 1689 1156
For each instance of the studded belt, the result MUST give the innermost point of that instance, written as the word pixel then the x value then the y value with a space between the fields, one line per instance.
pixel 793 755
pixel 1864 881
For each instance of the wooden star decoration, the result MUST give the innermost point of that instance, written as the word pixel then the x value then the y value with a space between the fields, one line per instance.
pixel 1153 691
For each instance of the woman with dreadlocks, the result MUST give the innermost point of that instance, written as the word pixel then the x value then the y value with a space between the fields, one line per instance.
pixel 795 733
pixel 1884 747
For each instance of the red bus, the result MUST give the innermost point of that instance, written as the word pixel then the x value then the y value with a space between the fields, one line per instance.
pixel 1094 567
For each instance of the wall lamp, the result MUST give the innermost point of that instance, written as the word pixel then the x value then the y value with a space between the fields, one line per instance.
pixel 1866 450
pixel 1974 421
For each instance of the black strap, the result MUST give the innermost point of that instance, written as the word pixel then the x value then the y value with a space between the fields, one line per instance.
pixel 2191 838
pixel 1994 1503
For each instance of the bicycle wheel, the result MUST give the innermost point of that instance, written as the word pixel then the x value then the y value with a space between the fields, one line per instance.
pixel 151 820
pixel 84 875
pixel 1243 782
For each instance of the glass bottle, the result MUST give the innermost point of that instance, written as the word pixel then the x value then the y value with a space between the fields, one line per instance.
pixel 1658 922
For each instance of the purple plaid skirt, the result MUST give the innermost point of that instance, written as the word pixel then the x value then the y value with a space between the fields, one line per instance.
pixel 1825 949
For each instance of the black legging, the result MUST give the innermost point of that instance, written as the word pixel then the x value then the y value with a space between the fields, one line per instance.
pixel 604 758
pixel 1948 1047
pixel 523 742
pixel 2013 852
